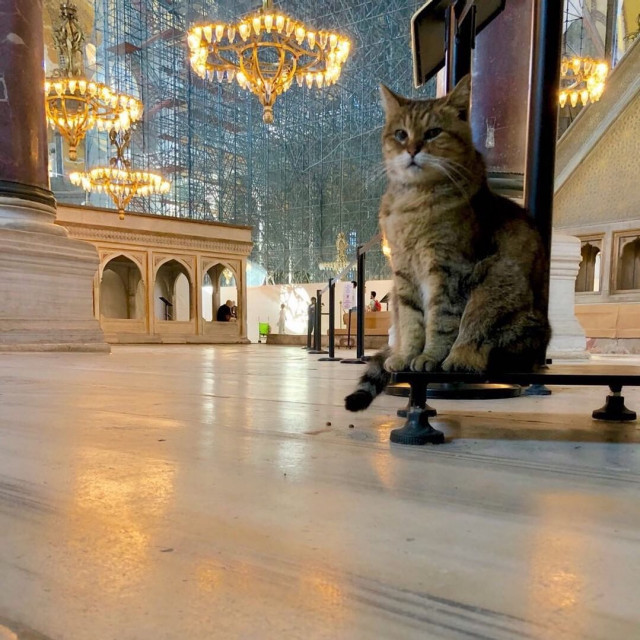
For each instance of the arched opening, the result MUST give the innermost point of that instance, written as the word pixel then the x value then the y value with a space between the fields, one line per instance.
pixel 629 266
pixel 172 292
pixel 122 291
pixel 219 294
pixel 588 278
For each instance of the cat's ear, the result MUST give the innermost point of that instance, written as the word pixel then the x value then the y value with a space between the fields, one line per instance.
pixel 390 101
pixel 460 97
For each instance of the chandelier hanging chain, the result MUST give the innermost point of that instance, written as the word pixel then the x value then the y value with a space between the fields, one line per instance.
pixel 68 39
pixel 265 52
pixel 120 140
pixel 118 180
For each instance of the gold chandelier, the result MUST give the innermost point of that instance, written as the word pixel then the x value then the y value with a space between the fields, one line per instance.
pixel 118 180
pixel 265 52
pixel 75 104
pixel 581 80
pixel 341 262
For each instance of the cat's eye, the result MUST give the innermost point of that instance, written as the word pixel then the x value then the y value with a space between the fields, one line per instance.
pixel 401 135
pixel 430 134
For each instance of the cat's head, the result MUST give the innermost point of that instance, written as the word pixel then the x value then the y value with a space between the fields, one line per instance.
pixel 429 141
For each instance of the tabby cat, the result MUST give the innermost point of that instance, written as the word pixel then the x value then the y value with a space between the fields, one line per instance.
pixel 468 265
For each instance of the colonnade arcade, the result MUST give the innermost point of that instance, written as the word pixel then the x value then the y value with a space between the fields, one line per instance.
pixel 165 284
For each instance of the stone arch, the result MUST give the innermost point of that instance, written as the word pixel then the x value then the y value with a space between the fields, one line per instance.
pixel 588 278
pixel 173 291
pixel 628 272
pixel 213 288
pixel 122 292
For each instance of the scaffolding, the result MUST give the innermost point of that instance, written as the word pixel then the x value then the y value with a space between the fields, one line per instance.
pixel 299 182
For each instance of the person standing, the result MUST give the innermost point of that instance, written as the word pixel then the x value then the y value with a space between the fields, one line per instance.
pixel 282 318
pixel 312 316
pixel 374 305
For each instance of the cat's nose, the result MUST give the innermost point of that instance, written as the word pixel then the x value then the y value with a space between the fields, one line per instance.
pixel 413 149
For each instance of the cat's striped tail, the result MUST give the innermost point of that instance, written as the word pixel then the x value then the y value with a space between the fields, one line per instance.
pixel 372 383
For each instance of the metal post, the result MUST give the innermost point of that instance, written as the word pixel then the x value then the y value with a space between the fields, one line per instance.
pixel 359 359
pixel 361 305
pixel 464 44
pixel 332 324
pixel 332 319
pixel 450 22
pixel 543 117
pixel 318 328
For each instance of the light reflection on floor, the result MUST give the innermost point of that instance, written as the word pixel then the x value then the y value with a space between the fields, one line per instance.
pixel 220 492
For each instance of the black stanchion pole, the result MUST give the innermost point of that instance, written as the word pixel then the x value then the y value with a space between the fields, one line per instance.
pixel 317 342
pixel 359 359
pixel 332 324
pixel 317 338
pixel 361 302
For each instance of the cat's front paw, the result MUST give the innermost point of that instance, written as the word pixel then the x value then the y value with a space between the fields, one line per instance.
pixel 425 362
pixel 395 363
pixel 466 359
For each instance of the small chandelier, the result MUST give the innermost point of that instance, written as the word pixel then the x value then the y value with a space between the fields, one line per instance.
pixel 75 104
pixel 118 180
pixel 581 79
pixel 265 52
pixel 341 262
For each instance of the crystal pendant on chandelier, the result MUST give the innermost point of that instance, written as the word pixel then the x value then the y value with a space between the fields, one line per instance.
pixel 265 52
pixel 74 103
pixel 118 180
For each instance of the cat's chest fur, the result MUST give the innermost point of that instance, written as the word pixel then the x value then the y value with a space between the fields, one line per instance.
pixel 427 229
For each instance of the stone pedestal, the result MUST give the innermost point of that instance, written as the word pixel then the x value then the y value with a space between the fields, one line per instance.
pixel 568 340
pixel 46 278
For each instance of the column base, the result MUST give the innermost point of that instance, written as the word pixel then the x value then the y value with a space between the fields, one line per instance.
pixel 46 286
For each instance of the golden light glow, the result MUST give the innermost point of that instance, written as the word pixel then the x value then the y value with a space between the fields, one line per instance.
pixel 74 103
pixel 342 261
pixel 581 80
pixel 273 50
pixel 119 181
pixel 386 249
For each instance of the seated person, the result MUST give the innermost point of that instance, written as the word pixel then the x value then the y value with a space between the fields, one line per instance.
pixel 224 312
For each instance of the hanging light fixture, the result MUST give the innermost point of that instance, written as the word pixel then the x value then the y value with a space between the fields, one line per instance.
pixel 265 52
pixel 341 261
pixel 581 80
pixel 75 104
pixel 118 180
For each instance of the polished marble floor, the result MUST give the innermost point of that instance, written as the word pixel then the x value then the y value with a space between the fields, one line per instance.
pixel 223 492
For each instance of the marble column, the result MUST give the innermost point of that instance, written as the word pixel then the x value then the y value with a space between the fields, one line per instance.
pixel 568 339
pixel 46 278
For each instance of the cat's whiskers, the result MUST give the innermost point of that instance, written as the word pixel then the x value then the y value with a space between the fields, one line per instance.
pixel 447 172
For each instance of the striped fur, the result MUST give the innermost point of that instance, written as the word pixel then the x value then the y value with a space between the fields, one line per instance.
pixel 470 284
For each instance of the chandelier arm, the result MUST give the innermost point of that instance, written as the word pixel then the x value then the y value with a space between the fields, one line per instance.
pixel 254 55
